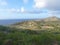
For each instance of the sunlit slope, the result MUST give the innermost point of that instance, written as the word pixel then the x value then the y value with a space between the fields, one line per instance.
pixel 47 23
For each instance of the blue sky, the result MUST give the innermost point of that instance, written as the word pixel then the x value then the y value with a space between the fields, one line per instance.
pixel 29 9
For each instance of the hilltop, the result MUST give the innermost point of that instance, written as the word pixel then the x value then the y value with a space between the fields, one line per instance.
pixel 53 18
pixel 40 24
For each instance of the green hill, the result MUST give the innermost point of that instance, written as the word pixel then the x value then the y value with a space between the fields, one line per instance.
pixel 40 24
pixel 33 32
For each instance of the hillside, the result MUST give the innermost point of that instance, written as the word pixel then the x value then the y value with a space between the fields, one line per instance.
pixel 32 32
pixel 13 36
pixel 40 24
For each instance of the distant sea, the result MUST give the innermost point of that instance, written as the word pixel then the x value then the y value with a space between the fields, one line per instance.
pixel 11 21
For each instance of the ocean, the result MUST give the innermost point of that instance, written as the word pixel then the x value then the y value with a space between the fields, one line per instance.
pixel 11 21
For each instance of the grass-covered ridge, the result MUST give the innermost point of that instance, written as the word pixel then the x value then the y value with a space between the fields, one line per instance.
pixel 13 36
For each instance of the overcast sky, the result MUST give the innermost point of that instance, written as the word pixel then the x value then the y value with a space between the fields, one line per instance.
pixel 28 9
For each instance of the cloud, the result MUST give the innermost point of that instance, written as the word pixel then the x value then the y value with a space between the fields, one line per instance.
pixel 53 13
pixel 48 4
pixel 53 4
pixel 11 10
pixel 22 9
pixel 53 7
pixel 25 11
pixel 34 12
pixel 39 4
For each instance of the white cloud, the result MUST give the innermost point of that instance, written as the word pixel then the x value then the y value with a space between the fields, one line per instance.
pixel 39 4
pixel 53 13
pixel 49 4
pixel 11 10
pixel 22 9
pixel 14 10
pixel 53 4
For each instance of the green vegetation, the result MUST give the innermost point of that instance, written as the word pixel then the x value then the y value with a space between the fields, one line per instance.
pixel 44 32
pixel 13 36
pixel 43 24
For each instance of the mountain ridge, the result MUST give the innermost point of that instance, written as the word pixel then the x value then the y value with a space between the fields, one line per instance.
pixel 46 23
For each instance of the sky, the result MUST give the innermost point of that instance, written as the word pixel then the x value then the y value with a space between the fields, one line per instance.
pixel 29 9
